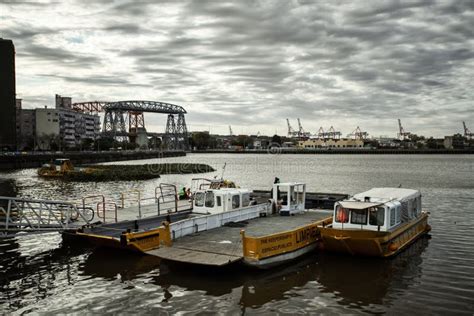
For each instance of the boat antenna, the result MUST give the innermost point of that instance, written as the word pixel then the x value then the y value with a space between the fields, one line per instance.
pixel 223 169
pixel 400 185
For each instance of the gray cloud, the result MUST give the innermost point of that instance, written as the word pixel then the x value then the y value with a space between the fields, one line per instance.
pixel 255 63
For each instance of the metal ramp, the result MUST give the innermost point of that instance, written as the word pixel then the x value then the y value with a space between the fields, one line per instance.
pixel 40 216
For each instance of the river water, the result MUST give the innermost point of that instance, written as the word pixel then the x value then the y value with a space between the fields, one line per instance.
pixel 434 276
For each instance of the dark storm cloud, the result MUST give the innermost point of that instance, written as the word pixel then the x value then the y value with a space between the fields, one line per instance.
pixel 57 55
pixel 258 62
pixel 98 80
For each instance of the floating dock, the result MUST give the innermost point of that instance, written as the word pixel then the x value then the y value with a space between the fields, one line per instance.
pixel 262 241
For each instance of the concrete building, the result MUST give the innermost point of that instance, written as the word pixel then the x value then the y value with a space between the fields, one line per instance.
pixel 75 126
pixel 7 95
pixel 330 143
pixel 46 128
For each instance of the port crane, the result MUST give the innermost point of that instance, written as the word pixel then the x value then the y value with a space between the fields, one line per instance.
pixel 359 134
pixel 467 133
pixel 330 134
pixel 291 131
pixel 301 131
pixel 402 134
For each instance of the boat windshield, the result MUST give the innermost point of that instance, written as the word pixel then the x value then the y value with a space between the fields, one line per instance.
pixel 199 199
pixel 376 216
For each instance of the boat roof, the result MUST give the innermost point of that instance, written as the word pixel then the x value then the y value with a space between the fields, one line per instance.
pixel 388 194
pixel 357 205
pixel 226 190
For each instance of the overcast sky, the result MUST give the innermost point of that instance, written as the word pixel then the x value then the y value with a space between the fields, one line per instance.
pixel 252 64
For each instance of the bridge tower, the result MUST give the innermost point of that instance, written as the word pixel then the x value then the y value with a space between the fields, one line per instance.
pixel 176 133
pixel 136 121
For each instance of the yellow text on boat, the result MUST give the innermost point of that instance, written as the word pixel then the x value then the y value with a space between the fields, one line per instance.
pixel 257 248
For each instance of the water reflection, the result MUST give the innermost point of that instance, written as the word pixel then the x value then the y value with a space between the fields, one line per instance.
pixel 358 282
pixel 25 278
pixel 111 264
pixel 364 281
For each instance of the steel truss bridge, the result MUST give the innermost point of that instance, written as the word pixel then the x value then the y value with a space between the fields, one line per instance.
pixel 125 119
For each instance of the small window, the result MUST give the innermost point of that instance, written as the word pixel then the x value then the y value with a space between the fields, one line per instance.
pixel 398 218
pixel 235 201
pixel 245 199
pixel 210 199
pixel 392 216
pixel 342 215
pixel 219 200
pixel 359 217
pixel 377 216
pixel 199 199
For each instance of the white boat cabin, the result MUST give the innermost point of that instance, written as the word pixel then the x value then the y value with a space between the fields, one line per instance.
pixel 290 197
pixel 379 209
pixel 221 200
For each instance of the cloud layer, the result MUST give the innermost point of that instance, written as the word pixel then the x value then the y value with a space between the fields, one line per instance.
pixel 252 64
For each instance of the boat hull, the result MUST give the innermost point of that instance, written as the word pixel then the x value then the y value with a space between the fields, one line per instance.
pixel 374 243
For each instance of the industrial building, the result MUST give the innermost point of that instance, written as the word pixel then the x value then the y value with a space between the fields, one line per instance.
pixel 330 143
pixel 7 95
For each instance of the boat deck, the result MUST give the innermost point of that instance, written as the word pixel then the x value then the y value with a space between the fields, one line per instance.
pixel 223 245
pixel 128 219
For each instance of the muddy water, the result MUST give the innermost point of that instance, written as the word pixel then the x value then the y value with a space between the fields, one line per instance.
pixel 435 275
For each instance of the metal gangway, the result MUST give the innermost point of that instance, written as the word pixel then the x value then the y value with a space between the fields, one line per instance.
pixel 40 216
pixel 28 215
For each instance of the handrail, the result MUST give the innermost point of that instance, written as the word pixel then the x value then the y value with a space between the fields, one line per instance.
pixel 104 218
pixel 91 197
pixel 122 199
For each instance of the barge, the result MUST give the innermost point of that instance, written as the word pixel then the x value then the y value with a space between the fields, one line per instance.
pixel 225 226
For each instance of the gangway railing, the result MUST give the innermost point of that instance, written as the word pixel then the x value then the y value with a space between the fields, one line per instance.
pixel 165 200
pixel 104 208
pixel 136 196
pixel 31 215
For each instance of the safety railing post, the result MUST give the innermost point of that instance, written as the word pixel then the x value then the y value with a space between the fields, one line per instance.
pixel 139 205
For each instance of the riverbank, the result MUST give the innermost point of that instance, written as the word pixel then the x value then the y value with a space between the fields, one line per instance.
pixel 35 160
pixel 339 151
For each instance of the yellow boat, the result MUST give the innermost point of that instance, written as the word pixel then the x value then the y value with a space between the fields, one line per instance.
pixel 59 168
pixel 380 222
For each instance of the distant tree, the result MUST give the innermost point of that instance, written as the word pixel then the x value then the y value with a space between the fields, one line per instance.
pixel 87 143
pixel 104 143
pixel 276 139
pixel 201 140
pixel 243 140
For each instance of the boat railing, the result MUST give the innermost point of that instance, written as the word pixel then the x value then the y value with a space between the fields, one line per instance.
pixel 31 215
pixel 103 209
pixel 129 198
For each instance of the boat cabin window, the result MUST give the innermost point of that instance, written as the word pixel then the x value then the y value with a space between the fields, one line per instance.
pixel 209 199
pixel 245 199
pixel 393 216
pixel 377 216
pixel 235 201
pixel 219 201
pixel 359 217
pixel 342 215
pixel 199 199
pixel 398 214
